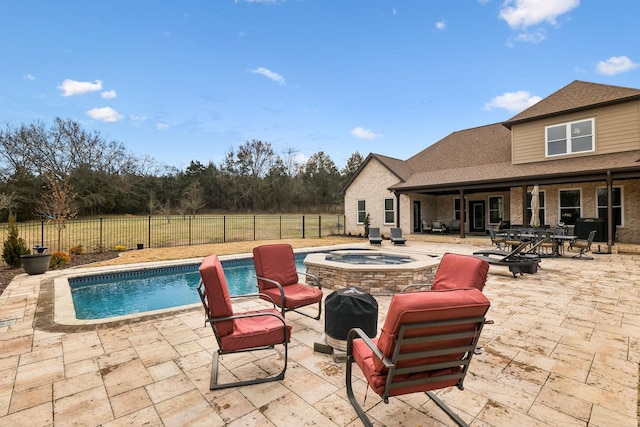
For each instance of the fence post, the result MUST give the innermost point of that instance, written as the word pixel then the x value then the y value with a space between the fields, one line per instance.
pixel 189 230
pixel 224 229
pixel 319 226
pixel 149 231
pixel 303 226
pixel 280 233
pixel 254 228
pixel 42 233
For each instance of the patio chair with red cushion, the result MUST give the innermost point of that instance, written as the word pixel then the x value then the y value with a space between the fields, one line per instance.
pixel 238 332
pixel 427 343
pixel 458 271
pixel 278 278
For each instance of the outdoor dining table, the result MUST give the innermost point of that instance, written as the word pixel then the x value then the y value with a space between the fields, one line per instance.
pixel 559 238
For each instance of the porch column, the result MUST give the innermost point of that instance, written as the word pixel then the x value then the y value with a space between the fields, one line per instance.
pixel 463 213
pixel 524 206
pixel 610 223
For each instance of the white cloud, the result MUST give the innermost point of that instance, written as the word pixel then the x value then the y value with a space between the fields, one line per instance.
pixel 29 76
pixel 363 133
pixel 441 25
pixel 162 126
pixel 269 74
pixel 109 94
pixel 72 87
pixel 394 12
pixel 526 13
pixel 105 114
pixel 616 65
pixel 512 101
pixel 532 37
pixel 137 118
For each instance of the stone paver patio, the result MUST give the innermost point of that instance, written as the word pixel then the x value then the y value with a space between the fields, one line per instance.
pixel 563 351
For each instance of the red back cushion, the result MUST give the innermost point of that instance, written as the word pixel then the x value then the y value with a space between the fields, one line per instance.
pixel 460 271
pixel 428 306
pixel 217 293
pixel 275 262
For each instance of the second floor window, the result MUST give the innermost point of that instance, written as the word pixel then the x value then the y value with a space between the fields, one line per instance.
pixel 389 212
pixel 567 138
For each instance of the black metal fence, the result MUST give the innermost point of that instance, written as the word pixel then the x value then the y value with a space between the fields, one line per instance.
pixel 131 232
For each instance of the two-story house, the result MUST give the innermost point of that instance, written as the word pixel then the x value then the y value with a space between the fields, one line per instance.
pixel 580 145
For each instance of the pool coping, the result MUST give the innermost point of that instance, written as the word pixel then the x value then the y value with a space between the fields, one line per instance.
pixel 55 311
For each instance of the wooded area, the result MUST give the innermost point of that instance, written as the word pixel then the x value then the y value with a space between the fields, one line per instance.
pixel 45 171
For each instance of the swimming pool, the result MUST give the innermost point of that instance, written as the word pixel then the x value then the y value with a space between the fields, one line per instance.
pixel 129 292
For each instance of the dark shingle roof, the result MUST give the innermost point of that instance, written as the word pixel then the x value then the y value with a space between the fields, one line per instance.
pixel 576 96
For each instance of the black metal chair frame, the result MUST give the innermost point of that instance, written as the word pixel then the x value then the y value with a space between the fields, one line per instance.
pixel 374 236
pixel 583 245
pixel 400 354
pixel 295 309
pixel 213 384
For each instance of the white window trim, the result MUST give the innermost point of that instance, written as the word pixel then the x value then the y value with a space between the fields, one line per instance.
pixel 544 208
pixel 621 203
pixel 501 214
pixel 384 210
pixel 358 210
pixel 560 190
pixel 569 140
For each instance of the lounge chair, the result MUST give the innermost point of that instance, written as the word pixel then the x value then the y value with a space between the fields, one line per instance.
pixel 374 236
pixel 426 226
pixel 238 332
pixel 519 260
pixel 583 246
pixel 427 343
pixel 457 271
pixel 396 236
pixel 277 277
pixel 438 226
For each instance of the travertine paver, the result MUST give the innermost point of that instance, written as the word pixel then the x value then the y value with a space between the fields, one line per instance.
pixel 563 350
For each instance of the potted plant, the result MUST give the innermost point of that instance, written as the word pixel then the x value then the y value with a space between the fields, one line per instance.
pixel 36 262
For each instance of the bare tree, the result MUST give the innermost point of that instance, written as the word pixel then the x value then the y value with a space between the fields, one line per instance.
pixel 8 201
pixel 193 198
pixel 58 204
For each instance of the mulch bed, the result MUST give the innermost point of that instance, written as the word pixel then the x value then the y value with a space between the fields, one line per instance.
pixel 7 273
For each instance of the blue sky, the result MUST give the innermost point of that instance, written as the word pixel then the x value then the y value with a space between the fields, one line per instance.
pixel 189 80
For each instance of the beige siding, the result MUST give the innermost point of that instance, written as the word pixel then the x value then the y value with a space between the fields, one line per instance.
pixel 617 129
pixel 370 185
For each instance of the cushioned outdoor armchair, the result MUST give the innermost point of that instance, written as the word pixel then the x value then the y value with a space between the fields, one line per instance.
pixel 239 332
pixel 278 278
pixel 427 343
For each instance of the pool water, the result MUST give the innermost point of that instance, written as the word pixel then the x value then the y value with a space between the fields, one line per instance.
pixel 99 297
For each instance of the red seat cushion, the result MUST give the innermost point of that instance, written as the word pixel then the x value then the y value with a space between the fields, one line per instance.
pixel 217 293
pixel 377 380
pixel 295 296
pixel 460 271
pixel 258 331
pixel 425 306
pixel 275 262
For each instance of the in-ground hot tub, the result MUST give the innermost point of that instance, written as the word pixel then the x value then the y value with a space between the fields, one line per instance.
pixel 374 271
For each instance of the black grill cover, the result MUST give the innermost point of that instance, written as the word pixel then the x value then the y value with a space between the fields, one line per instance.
pixel 350 308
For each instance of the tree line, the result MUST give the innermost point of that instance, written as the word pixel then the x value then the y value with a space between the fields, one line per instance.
pixel 101 177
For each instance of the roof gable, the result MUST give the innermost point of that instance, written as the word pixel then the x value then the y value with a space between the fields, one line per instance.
pixel 576 96
pixel 483 145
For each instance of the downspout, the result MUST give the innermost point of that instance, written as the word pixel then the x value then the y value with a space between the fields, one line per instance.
pixel 610 223
pixel 463 213
pixel 398 208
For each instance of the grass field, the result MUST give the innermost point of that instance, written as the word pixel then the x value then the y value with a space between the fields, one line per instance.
pixel 128 232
